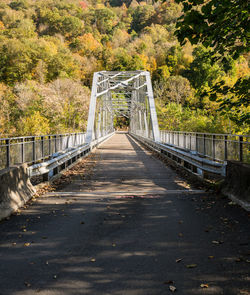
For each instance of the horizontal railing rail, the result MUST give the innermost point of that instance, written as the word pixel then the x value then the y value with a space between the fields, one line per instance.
pixel 187 159
pixel 218 147
pixel 50 168
pixel 32 149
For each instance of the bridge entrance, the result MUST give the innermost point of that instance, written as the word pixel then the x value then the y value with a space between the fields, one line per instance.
pixel 122 94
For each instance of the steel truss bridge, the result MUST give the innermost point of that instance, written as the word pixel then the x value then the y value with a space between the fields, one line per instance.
pixel 126 94
pixel 129 95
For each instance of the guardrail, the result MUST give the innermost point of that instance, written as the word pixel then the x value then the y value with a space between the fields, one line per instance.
pixel 32 149
pixel 64 159
pixel 189 160
pixel 217 147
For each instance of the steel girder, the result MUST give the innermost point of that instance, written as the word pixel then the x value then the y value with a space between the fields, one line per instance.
pixel 124 93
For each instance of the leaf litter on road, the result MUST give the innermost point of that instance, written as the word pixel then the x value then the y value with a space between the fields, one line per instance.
pixel 191 265
pixel 172 288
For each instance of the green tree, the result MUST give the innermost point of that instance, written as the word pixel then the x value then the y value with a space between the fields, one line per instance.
pixel 222 25
pixel 142 17
pixel 203 71
pixel 56 21
pixel 16 61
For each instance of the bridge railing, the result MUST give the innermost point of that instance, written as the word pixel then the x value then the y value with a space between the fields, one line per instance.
pixel 218 147
pixel 32 149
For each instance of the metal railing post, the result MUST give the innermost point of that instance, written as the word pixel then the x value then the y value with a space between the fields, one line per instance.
pixel 204 144
pixel 196 142
pixel 22 151
pixel 61 142
pixel 241 148
pixel 49 144
pixel 213 146
pixel 42 145
pixel 225 147
pixel 7 153
pixel 33 149
pixel 55 143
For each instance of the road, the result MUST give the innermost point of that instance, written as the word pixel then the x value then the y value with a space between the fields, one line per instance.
pixel 130 226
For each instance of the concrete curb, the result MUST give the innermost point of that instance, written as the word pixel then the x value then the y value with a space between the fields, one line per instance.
pixel 15 189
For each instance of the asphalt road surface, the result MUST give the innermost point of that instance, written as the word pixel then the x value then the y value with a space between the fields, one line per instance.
pixel 130 226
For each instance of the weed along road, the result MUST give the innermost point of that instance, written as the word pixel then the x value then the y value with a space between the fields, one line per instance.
pixel 122 223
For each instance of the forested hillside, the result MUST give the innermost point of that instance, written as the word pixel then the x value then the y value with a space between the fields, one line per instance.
pixel 49 50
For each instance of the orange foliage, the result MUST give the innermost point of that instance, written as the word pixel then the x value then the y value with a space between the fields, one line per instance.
pixel 83 5
pixel 89 44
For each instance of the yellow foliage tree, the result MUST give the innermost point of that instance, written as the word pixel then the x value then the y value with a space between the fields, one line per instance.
pixel 35 124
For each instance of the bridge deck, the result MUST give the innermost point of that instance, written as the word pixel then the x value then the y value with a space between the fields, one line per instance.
pixel 125 166
pixel 88 238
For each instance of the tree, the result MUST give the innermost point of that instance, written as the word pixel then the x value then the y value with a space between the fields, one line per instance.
pixel 175 89
pixel 222 25
pixel 59 21
pixel 104 19
pixel 203 71
pixel 142 17
pixel 19 5
pixel 178 89
pixel 16 61
pixel 34 124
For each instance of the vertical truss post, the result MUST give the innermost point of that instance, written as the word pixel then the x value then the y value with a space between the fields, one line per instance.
pixel 99 124
pixel 154 120
pixel 92 109
pixel 146 124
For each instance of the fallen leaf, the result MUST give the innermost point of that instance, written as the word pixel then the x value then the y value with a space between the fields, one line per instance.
pixel 93 260
pixel 178 260
pixel 26 244
pixel 244 292
pixel 55 276
pixel 204 285
pixel 172 288
pixel 14 244
pixel 211 257
pixel 113 245
pixel 216 242
pixel 191 265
